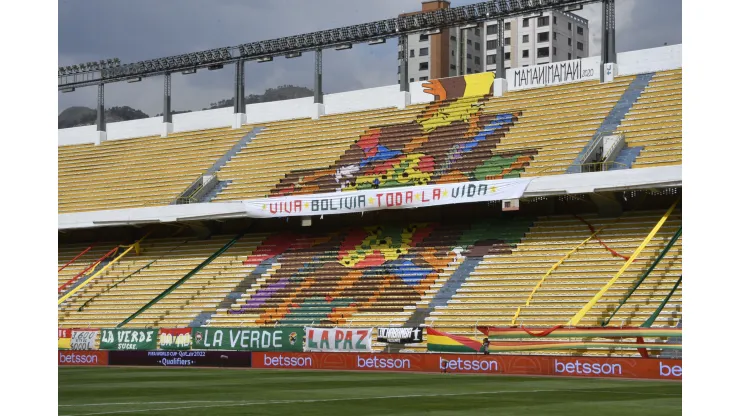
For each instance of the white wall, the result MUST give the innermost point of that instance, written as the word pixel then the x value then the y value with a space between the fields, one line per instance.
pixel 649 60
pixel 280 110
pixel 199 120
pixel 360 100
pixel 634 62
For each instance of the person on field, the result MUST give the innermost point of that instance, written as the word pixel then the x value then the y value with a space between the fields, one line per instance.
pixel 485 346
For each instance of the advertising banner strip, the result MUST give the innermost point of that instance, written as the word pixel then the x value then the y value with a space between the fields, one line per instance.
pixel 248 339
pixel 391 198
pixel 174 338
pixel 559 332
pixel 64 338
pixel 128 339
pixel 83 339
pixel 400 335
pixel 339 339
pixel 181 358
pixel 555 73
pixel 86 358
pixel 640 368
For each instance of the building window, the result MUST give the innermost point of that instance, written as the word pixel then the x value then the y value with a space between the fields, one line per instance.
pixel 470 56
pixel 470 42
pixel 399 69
pixel 507 26
pixel 400 54
pixel 493 29
pixel 490 44
pixel 554 51
pixel 477 46
pixel 570 27
pixel 453 52
pixel 411 53
pixel 453 38
pixel 579 30
pixel 570 56
pixel 554 36
pixel 423 51
pixel 525 22
pixel 543 21
pixel 543 37
pixel 477 32
pixel 579 46
pixel 423 38
pixel 423 78
pixel 525 53
pixel 411 80
pixel 578 57
pixel 453 67
pixel 554 20
pixel 543 52
pixel 470 71
pixel 525 39
pixel 570 42
pixel 507 56
pixel 490 59
pixel 477 60
pixel 507 41
pixel 423 66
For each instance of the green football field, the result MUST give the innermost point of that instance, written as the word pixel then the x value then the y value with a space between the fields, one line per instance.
pixel 192 391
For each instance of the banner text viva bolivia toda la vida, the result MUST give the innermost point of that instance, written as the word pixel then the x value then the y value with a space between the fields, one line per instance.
pixel 403 197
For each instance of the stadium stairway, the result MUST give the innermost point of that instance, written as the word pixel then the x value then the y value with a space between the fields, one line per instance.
pixel 612 121
pixel 655 121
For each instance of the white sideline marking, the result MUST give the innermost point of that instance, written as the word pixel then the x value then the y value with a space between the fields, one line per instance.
pixel 237 403
pixel 129 403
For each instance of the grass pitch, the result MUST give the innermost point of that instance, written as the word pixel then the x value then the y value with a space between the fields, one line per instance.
pixel 193 391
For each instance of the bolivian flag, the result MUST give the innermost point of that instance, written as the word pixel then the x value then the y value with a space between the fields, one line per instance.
pixel 438 341
pixel 64 338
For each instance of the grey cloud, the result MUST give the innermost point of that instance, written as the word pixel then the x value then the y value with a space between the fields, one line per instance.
pixel 142 29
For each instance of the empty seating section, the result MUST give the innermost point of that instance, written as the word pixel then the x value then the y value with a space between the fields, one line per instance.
pixel 68 253
pixel 524 133
pixel 145 171
pixel 377 273
pixel 557 121
pixel 303 144
pixel 161 263
pixel 378 276
pixel 501 284
pixel 654 121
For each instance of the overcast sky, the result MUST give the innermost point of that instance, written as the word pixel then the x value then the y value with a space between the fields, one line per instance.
pixel 133 30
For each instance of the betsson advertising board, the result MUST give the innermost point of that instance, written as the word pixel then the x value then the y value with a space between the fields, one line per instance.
pixel 656 369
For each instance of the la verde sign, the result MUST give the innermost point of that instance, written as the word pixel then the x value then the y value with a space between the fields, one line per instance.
pixel 128 339
pixel 248 339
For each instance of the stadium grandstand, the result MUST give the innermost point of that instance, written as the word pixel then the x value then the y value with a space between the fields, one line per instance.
pixel 461 215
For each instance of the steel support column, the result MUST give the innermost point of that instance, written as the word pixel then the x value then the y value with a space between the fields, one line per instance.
pixel 500 69
pixel 318 91
pixel 239 107
pixel 167 100
pixel 404 42
pixel 611 11
pixel 101 107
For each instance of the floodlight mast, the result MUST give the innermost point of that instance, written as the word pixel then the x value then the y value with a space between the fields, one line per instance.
pixel 333 38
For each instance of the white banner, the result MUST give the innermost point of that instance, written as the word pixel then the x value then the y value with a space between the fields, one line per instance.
pixel 83 339
pixel 338 339
pixel 554 73
pixel 390 198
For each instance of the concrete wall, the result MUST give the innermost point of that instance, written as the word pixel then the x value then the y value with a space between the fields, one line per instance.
pixel 634 62
pixel 361 100
pixel 649 60
pixel 279 110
